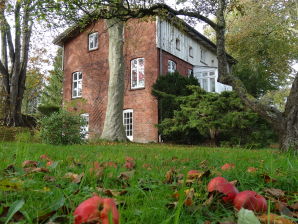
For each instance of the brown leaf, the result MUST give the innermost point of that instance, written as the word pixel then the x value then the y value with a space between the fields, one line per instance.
pixel 172 205
pixel 126 175
pixel 234 182
pixel 176 195
pixel 147 166
pixel 112 193
pixel 75 178
pixel 188 202
pixel 203 164
pixel 283 209
pixel 171 176
pixel 45 157
pixel 49 178
pixel 228 166
pixel 97 170
pixel 174 158
pixel 294 206
pixel 29 163
pixel 36 170
pixel 251 169
pixel 275 192
pixel 209 201
pixel 10 169
pixel 274 219
pixel 109 164
pixel 17 217
pixel 267 178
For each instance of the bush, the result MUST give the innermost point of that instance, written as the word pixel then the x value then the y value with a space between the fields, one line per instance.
pixel 62 128
pixel 24 136
pixel 47 110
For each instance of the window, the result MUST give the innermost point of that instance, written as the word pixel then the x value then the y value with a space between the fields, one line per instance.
pixel 207 80
pixel 190 52
pixel 178 44
pixel 77 84
pixel 203 55
pixel 93 41
pixel 128 123
pixel 137 73
pixel 85 128
pixel 189 72
pixel 171 66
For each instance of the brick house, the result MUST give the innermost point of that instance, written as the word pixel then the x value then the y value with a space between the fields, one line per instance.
pixel 151 48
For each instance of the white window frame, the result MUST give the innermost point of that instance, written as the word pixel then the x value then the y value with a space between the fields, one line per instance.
pixel 207 77
pixel 78 82
pixel 172 66
pixel 190 51
pixel 85 128
pixel 178 44
pixel 140 70
pixel 93 41
pixel 203 55
pixel 127 121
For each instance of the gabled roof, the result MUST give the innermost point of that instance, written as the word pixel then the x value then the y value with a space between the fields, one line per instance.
pixel 76 29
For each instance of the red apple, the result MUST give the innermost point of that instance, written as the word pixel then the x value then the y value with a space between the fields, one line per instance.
pixel 213 184
pixel 250 200
pixel 96 210
pixel 228 166
pixel 221 185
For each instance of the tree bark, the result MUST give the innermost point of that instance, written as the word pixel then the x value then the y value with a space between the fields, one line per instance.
pixel 113 129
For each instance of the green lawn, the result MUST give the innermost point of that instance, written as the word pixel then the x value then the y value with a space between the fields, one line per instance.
pixel 147 194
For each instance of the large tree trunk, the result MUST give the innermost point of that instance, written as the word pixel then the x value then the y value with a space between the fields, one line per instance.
pixel 113 129
pixel 289 134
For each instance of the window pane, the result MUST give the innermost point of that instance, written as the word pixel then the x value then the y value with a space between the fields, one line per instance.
pixel 205 84
pixel 205 74
pixel 75 76
pixel 212 84
pixel 211 73
pixel 141 63
pixel 141 79
pixel 80 75
pixel 134 78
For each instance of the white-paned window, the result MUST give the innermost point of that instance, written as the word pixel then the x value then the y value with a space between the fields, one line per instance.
pixel 138 73
pixel 189 72
pixel 77 78
pixel 178 43
pixel 172 67
pixel 128 123
pixel 93 41
pixel 207 80
pixel 203 55
pixel 85 128
pixel 190 52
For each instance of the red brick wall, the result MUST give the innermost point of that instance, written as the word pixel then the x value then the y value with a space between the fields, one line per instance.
pixel 182 66
pixel 139 42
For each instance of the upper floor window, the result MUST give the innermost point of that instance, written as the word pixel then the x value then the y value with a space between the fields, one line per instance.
pixel 77 78
pixel 190 52
pixel 207 80
pixel 138 73
pixel 178 44
pixel 171 66
pixel 93 41
pixel 203 55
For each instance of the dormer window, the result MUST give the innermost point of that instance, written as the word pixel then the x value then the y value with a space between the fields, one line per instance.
pixel 190 52
pixel 93 41
pixel 178 44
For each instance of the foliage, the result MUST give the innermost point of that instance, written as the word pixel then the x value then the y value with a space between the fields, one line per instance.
pixel 167 88
pixel 220 117
pixel 260 37
pixel 62 128
pixel 52 93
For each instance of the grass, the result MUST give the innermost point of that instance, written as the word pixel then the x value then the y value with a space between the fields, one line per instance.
pixel 147 193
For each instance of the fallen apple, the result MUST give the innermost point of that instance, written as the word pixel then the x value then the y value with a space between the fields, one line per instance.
pixel 221 185
pixel 192 174
pixel 228 166
pixel 250 200
pixel 96 210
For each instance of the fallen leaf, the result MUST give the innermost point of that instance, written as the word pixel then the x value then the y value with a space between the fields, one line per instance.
pixel 109 164
pixel 171 176
pixel 267 178
pixel 147 166
pixel 277 193
pixel 283 209
pixel 44 157
pixel 97 170
pixel 36 170
pixel 10 184
pixel 294 206
pixel 228 166
pixel 247 217
pixel 112 193
pixel 234 182
pixel 203 164
pixel 75 178
pixel 274 219
pixel 126 175
pixel 251 169
pixel 10 169
pixel 172 205
pixel 49 178
pixel 29 163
